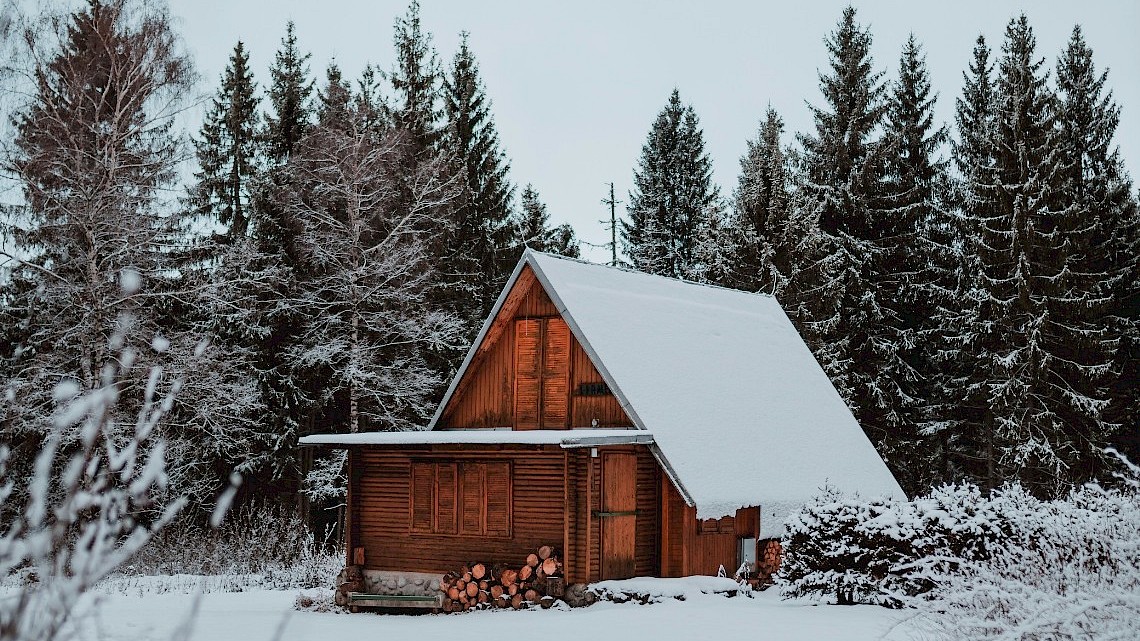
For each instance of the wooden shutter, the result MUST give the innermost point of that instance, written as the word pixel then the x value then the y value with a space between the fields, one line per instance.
pixel 498 489
pixel 423 497
pixel 528 359
pixel 556 375
pixel 474 497
pixel 446 502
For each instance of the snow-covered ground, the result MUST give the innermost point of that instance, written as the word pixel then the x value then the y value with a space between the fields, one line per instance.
pixel 261 615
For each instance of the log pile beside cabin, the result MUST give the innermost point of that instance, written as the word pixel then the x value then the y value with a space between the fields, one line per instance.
pixel 538 581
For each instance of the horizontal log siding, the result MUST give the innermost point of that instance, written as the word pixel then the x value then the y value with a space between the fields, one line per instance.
pixel 381 510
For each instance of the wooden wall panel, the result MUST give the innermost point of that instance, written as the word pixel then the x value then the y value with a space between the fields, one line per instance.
pixel 485 397
pixel 382 512
pixel 689 546
pixel 586 408
pixel 528 373
pixel 555 374
pixel 648 514
pixel 619 533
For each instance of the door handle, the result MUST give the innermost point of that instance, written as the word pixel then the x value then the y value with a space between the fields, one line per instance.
pixel 600 514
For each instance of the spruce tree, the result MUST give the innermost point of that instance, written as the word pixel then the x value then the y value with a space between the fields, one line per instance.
pixel 844 168
pixel 915 250
pixel 957 409
pixel 334 99
pixel 269 272
pixel 484 211
pixel 290 93
pixel 673 194
pixel 416 80
pixel 760 203
pixel 532 229
pixel 1041 402
pixel 1104 235
pixel 228 151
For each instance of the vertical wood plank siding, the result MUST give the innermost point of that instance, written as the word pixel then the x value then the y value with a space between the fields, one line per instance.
pixel 690 546
pixel 485 397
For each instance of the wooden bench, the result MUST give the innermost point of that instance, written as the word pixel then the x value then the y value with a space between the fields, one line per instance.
pixel 358 600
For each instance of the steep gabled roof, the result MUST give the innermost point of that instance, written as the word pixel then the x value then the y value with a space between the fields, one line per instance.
pixel 740 411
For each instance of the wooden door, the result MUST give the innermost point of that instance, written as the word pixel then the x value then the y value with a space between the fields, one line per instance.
pixel 618 514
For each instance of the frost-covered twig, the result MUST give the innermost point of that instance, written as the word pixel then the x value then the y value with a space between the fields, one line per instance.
pixel 95 498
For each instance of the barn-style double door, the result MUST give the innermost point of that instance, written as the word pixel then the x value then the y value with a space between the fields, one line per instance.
pixel 542 374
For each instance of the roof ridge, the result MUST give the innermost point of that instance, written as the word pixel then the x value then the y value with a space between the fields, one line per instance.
pixel 632 270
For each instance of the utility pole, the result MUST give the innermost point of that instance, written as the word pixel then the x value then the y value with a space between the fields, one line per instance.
pixel 612 202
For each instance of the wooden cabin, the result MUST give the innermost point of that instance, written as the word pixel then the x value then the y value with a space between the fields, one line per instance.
pixel 640 425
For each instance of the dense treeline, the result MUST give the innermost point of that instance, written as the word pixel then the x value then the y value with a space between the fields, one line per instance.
pixel 972 292
pixel 328 264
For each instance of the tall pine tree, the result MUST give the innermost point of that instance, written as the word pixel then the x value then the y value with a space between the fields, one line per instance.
pixel 484 211
pixel 1041 402
pixel 844 168
pixel 416 80
pixel 290 93
pixel 915 249
pixel 673 194
pixel 760 204
pixel 1103 271
pixel 957 408
pixel 228 153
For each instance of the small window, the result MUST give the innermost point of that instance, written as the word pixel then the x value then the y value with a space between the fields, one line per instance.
pixel 461 498
pixel 746 552
pixel 433 501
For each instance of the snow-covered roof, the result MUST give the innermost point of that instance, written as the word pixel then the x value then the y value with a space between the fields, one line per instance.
pixel 740 411
pixel 562 438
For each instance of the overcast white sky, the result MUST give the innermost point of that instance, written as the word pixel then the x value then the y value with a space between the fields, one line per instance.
pixel 575 85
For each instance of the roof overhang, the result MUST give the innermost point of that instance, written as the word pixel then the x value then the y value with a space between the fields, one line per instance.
pixel 566 439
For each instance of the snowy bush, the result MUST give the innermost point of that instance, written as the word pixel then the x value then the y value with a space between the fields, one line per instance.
pixel 886 551
pixel 266 546
pixel 1071 570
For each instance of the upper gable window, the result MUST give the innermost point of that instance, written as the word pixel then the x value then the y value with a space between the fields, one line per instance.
pixel 542 373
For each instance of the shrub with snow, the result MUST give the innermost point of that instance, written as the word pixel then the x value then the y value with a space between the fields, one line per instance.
pixel 265 545
pixel 1003 566
pixel 1070 570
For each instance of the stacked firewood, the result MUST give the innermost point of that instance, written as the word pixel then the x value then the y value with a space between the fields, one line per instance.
pixel 479 585
pixel 770 557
